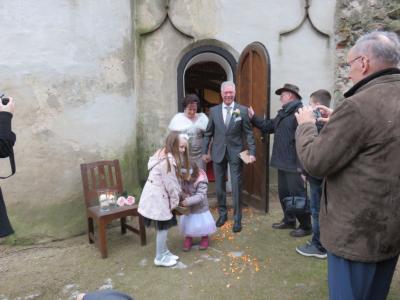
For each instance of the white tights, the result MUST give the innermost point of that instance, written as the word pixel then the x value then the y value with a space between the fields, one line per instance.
pixel 161 243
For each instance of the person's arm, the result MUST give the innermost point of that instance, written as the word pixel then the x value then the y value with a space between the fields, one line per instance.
pixel 248 131
pixel 265 125
pixel 200 195
pixel 7 137
pixel 336 145
pixel 208 135
pixel 171 183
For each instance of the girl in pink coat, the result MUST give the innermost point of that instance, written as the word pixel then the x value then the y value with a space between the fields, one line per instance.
pixel 160 194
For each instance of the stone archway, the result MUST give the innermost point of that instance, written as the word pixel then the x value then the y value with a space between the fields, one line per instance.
pixel 204 68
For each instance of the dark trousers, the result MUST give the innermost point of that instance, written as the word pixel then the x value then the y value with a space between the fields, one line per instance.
pixel 315 205
pixel 220 170
pixel 291 184
pixel 351 280
pixel 5 226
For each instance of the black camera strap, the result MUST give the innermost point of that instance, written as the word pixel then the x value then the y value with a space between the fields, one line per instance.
pixel 12 163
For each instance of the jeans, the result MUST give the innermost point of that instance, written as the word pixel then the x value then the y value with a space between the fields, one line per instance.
pixel 353 280
pixel 315 204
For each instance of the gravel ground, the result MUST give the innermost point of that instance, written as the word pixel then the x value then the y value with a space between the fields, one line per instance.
pixel 258 263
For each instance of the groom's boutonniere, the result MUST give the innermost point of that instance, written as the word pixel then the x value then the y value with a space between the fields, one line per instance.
pixel 236 113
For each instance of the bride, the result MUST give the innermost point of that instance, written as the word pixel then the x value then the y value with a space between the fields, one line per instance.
pixel 193 124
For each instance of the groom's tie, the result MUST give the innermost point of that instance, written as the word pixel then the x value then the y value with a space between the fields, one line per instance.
pixel 228 116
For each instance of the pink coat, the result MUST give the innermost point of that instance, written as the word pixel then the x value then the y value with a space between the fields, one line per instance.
pixel 161 192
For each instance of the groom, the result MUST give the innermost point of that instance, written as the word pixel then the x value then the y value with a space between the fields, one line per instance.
pixel 228 124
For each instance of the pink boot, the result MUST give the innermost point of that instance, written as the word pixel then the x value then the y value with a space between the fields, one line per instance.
pixel 203 243
pixel 187 244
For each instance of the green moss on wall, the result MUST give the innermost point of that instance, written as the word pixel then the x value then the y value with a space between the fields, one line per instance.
pixel 33 224
pixel 144 150
pixel 54 221
pixel 128 164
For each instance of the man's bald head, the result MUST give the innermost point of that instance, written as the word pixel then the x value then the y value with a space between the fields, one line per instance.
pixel 382 47
pixel 373 52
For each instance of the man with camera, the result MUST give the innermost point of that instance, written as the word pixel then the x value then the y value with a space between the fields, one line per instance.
pixel 7 140
pixel 357 152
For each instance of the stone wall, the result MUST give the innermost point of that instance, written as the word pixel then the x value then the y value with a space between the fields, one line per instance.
pixel 159 49
pixel 89 84
pixel 353 18
pixel 69 66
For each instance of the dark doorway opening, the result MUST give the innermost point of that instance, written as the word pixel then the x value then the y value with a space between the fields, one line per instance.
pixel 204 79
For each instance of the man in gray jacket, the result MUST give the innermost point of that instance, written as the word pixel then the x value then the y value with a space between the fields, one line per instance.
pixel 228 124
pixel 358 154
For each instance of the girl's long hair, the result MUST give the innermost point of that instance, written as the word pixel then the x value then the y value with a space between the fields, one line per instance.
pixel 195 171
pixel 182 159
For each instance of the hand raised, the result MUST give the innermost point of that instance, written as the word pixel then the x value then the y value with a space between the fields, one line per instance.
pixel 250 112
pixel 9 107
pixel 305 115
pixel 325 113
pixel 206 158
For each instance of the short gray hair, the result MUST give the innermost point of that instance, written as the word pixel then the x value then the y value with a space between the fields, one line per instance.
pixel 227 83
pixel 382 45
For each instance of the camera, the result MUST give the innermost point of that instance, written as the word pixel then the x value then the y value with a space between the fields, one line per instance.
pixel 4 100
pixel 317 113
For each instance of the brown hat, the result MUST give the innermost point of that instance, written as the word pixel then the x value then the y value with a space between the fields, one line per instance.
pixel 290 88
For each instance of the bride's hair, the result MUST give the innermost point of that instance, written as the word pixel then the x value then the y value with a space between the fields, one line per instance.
pixel 189 99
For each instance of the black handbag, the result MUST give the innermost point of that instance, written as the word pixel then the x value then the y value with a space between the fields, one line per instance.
pixel 297 204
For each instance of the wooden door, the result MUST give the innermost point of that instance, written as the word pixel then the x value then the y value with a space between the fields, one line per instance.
pixel 253 89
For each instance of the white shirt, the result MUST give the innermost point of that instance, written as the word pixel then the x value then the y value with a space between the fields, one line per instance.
pixel 225 111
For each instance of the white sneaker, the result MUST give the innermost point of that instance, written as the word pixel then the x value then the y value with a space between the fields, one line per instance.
pixel 170 254
pixel 165 261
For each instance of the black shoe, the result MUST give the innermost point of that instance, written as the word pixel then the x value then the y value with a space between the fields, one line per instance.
pixel 221 221
pixel 299 232
pixel 237 227
pixel 283 225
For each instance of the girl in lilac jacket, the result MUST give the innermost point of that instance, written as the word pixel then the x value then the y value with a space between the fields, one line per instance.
pixel 199 222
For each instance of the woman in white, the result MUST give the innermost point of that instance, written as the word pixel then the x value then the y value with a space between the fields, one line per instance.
pixel 193 124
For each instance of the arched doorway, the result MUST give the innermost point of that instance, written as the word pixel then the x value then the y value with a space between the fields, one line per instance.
pixel 203 69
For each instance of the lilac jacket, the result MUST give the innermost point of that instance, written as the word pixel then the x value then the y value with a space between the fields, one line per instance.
pixel 198 201
pixel 161 192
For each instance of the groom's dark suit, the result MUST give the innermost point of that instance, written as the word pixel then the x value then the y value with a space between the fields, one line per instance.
pixel 228 142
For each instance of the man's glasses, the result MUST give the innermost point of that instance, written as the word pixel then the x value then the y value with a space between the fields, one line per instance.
pixel 348 64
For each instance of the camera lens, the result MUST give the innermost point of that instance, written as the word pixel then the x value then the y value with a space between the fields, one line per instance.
pixel 5 101
pixel 317 114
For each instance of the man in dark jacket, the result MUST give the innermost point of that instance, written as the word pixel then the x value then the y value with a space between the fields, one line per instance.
pixel 357 152
pixel 7 140
pixel 284 157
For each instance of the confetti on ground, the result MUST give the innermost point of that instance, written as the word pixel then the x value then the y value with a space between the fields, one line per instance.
pixel 180 265
pixel 235 254
pixel 143 262
pixel 238 262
